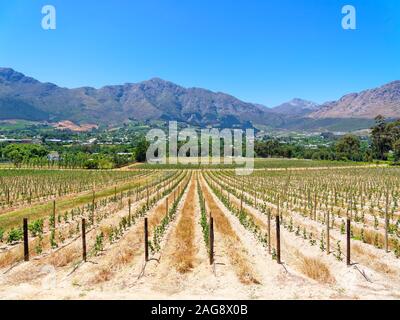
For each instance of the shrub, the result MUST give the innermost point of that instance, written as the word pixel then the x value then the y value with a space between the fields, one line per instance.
pixel 14 235
pixel 36 227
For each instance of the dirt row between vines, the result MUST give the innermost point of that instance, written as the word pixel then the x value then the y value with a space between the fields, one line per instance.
pixel 356 282
pixel 14 253
pixel 55 277
pixel 370 256
pixel 278 281
pixel 243 269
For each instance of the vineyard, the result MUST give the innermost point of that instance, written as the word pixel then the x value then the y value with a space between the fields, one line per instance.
pixel 305 232
pixel 19 187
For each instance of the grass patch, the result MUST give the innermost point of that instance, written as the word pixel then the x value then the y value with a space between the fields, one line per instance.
pixel 316 270
pixel 259 163
pixel 184 254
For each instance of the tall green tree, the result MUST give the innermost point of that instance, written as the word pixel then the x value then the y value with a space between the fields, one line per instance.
pixel 381 138
pixel 141 149
pixel 396 150
pixel 350 146
pixel 19 153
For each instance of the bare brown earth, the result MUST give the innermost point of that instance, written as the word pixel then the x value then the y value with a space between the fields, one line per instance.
pixel 69 125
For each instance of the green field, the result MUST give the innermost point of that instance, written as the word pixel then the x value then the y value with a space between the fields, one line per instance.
pixel 259 163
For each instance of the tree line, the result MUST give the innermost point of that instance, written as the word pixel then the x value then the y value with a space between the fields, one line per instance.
pixel 76 157
pixel 384 144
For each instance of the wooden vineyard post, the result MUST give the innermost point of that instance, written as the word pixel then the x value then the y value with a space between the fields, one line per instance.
pixel 54 214
pixel 387 222
pixel 211 240
pixel 115 193
pixel 241 202
pixel 146 240
pixel 351 206
pixel 147 198
pixel 129 210
pixel 26 239
pixel 278 207
pixel 335 203
pixel 328 240
pixel 269 230
pixel 348 242
pixel 315 207
pixel 93 206
pixel 84 256
pixel 278 239
pixel 166 206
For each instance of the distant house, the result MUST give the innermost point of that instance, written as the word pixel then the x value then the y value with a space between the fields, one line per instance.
pixel 53 156
pixel 89 142
pixel 54 140
pixel 17 141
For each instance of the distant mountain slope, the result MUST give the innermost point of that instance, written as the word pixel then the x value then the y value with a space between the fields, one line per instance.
pixel 296 107
pixel 23 97
pixel 17 109
pixel 367 104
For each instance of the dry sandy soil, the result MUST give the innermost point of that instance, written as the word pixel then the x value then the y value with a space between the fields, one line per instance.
pixel 243 268
pixel 68 125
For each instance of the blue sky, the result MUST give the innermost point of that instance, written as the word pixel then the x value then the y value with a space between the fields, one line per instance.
pixel 264 51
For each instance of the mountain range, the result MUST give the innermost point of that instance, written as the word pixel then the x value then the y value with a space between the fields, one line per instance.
pixel 23 97
pixel 367 104
pixel 296 107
